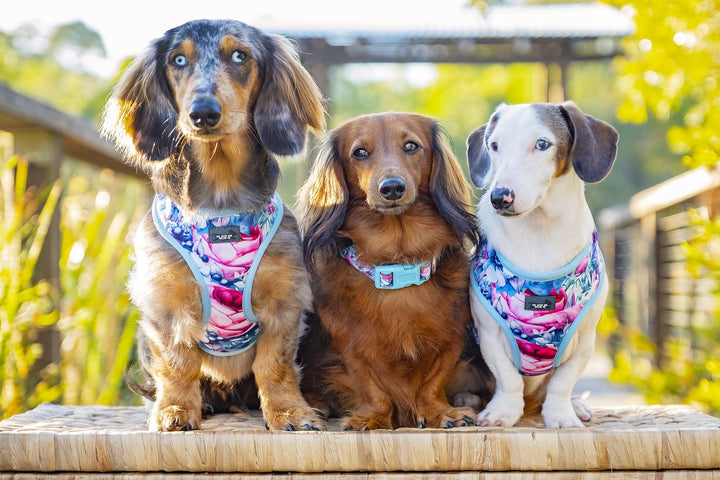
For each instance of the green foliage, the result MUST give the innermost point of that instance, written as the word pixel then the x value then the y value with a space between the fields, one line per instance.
pixel 31 64
pixel 672 71
pixel 27 305
pixel 97 320
pixel 671 75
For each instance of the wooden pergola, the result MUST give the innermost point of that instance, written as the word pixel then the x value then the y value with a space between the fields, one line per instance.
pixel 553 35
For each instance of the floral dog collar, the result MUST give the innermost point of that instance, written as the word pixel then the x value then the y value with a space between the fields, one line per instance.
pixel 538 313
pixel 390 277
pixel 223 254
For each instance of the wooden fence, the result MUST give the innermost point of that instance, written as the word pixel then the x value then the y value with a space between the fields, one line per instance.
pixel 644 243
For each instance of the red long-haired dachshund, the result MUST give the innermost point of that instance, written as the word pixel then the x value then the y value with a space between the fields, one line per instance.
pixel 387 238
pixel 219 274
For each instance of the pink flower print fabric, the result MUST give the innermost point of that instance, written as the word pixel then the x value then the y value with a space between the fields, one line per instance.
pixel 223 254
pixel 538 313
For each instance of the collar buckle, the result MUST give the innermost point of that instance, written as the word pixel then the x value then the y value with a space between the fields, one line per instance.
pixel 392 277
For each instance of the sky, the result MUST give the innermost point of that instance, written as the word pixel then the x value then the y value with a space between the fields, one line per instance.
pixel 128 26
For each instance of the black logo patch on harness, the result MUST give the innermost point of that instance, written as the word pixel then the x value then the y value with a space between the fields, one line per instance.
pixel 223 234
pixel 540 303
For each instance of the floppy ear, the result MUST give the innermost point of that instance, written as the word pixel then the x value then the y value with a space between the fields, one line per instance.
pixel 450 190
pixel 479 162
pixel 478 158
pixel 141 115
pixel 322 201
pixel 594 144
pixel 289 101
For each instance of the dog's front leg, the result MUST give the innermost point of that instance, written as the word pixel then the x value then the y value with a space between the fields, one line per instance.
pixel 176 372
pixel 559 409
pixel 506 406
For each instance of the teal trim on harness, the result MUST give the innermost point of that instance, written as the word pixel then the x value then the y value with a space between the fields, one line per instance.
pixel 539 313
pixel 217 250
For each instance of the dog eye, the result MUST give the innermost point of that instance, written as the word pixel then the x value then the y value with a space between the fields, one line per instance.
pixel 542 144
pixel 238 56
pixel 360 154
pixel 410 147
pixel 494 146
pixel 180 60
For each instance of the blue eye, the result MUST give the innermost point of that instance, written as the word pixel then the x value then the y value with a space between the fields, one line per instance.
pixel 542 144
pixel 180 60
pixel 494 146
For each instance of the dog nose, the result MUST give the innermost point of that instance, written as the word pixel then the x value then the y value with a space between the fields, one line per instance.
pixel 501 198
pixel 205 112
pixel 392 188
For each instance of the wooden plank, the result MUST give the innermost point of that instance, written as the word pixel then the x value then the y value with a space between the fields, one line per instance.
pixel 55 438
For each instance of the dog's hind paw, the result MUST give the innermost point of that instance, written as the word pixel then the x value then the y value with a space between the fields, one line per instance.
pixel 582 410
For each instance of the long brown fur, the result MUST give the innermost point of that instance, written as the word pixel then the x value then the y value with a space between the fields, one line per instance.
pixel 384 358
pixel 266 101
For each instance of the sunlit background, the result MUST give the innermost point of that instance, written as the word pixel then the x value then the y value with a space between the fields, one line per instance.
pixel 66 324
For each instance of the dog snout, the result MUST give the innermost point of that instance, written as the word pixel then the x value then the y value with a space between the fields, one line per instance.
pixel 502 198
pixel 393 188
pixel 205 113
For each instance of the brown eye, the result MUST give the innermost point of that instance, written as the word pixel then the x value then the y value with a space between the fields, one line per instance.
pixel 238 56
pixel 410 147
pixel 360 154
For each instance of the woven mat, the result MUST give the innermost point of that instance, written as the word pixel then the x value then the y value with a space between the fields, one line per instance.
pixel 115 439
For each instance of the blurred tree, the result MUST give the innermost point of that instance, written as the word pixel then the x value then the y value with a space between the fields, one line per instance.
pixel 50 68
pixel 670 75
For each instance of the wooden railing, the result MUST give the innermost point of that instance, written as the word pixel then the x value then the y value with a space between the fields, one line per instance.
pixel 644 246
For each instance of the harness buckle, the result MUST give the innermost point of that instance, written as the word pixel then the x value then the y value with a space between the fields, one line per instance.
pixel 392 277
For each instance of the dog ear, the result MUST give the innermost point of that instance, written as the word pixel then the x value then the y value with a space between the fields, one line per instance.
pixel 289 101
pixel 141 115
pixel 479 162
pixel 449 189
pixel 322 201
pixel 594 145
pixel 478 158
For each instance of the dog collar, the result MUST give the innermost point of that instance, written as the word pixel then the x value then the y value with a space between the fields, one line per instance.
pixel 390 277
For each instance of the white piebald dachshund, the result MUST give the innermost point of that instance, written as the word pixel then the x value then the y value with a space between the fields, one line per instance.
pixel 538 280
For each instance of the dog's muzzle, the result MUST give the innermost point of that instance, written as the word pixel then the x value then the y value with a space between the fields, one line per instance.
pixel 392 188
pixel 502 198
pixel 205 113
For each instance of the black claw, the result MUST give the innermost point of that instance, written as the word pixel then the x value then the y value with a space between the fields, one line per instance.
pixel 449 424
pixel 308 427
pixel 187 428
pixel 469 421
pixel 349 428
pixel 422 423
pixel 289 428
pixel 266 426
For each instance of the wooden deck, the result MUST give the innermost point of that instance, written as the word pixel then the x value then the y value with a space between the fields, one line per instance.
pixel 658 442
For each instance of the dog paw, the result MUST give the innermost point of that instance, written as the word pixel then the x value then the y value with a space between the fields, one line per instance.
pixel 451 417
pixel 174 418
pixel 361 423
pixel 503 413
pixel 299 418
pixel 560 416
pixel 582 410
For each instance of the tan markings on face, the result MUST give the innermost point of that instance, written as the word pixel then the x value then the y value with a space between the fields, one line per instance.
pixel 238 84
pixel 386 141
pixel 180 78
